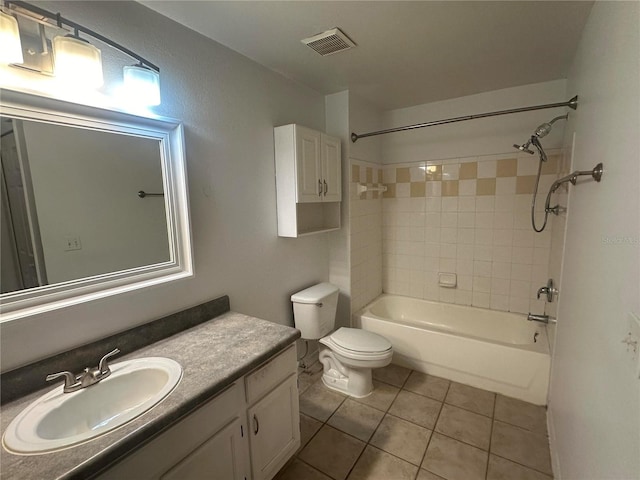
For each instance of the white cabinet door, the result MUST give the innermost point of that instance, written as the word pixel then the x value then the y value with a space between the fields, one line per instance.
pixel 331 169
pixel 275 429
pixel 219 458
pixel 308 165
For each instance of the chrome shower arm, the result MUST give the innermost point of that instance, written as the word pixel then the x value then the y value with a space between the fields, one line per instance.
pixel 596 174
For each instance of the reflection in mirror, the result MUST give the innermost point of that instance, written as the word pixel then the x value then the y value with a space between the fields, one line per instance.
pixel 93 203
pixel 71 207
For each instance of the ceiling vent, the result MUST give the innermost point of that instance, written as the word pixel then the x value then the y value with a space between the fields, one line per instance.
pixel 329 42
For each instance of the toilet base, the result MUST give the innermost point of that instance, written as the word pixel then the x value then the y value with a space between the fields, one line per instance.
pixel 357 388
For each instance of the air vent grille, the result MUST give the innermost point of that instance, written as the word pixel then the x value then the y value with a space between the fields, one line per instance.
pixel 329 42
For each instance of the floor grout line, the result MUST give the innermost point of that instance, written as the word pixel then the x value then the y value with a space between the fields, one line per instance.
pixel 433 431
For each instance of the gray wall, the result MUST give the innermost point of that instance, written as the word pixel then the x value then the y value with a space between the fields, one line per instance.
pixel 229 106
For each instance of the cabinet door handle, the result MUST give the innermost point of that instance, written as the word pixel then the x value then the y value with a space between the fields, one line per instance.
pixel 325 188
pixel 256 429
pixel 319 187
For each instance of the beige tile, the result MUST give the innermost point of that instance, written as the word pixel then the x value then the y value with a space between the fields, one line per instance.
pixel 486 186
pixel 375 464
pixel 450 188
pixel 454 460
pixel 356 419
pixel 332 452
pixel 308 378
pixel 297 470
pixel 418 189
pixel 308 428
pixel 382 396
pixel 433 173
pixel 355 173
pixel 403 175
pixel 392 374
pixel 507 167
pixel 416 408
pixel 468 171
pixel 369 175
pixel 521 446
pixel 424 475
pixel 391 190
pixel 427 385
pixel 522 414
pixel 319 402
pixel 503 469
pixel 402 439
pixel 552 164
pixel 465 426
pixel 525 184
pixel 470 398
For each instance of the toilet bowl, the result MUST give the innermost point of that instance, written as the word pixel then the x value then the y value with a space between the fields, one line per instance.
pixel 348 354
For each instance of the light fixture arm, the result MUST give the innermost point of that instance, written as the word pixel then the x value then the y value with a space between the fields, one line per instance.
pixel 61 21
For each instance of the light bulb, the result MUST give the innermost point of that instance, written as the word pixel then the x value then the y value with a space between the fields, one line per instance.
pixel 77 62
pixel 142 85
pixel 11 51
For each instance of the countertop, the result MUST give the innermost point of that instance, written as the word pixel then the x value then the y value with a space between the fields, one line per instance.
pixel 213 355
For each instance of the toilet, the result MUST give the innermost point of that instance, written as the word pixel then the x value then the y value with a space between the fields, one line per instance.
pixel 348 354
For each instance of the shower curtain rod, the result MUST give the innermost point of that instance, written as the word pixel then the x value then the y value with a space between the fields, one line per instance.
pixel 573 103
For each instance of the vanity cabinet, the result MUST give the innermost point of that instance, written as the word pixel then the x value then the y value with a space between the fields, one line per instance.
pixel 273 414
pixel 308 180
pixel 248 431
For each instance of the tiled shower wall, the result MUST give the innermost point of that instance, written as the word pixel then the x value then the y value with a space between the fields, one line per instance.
pixel 470 217
pixel 366 234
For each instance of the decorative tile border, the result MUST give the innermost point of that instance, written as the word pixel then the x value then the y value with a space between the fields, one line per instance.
pixel 490 176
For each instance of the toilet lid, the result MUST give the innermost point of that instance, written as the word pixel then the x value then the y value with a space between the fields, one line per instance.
pixel 360 340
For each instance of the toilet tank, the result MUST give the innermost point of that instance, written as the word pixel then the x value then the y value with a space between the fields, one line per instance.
pixel 314 310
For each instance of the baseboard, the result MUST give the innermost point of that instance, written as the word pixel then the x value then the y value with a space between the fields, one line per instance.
pixel 555 459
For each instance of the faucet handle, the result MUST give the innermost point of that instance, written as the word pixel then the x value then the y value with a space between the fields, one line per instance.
pixel 70 380
pixel 103 366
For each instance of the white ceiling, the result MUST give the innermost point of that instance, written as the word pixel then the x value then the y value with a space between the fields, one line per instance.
pixel 408 53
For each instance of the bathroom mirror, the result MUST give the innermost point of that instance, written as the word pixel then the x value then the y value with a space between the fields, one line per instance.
pixel 94 203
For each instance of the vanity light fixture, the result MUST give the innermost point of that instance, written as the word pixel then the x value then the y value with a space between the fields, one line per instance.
pixel 77 62
pixel 11 51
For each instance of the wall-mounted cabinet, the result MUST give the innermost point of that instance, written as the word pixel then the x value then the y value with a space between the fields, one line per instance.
pixel 308 181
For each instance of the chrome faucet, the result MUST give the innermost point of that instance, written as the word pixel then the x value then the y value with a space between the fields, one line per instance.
pixel 540 318
pixel 88 377
pixel 549 291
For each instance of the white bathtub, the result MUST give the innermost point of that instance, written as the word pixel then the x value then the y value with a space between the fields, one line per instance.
pixel 497 351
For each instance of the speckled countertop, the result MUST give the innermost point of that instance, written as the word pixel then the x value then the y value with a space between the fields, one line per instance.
pixel 213 355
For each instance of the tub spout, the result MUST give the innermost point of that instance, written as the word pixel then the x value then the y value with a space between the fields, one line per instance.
pixel 540 318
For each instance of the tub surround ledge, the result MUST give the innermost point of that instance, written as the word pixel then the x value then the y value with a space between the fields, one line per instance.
pixel 213 355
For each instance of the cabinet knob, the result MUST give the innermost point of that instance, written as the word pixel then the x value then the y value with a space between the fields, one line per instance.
pixel 319 187
pixel 325 188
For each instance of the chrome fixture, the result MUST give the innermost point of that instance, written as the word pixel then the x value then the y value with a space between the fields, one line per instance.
pixel 596 174
pixel 549 291
pixel 76 60
pixel 573 103
pixel 88 377
pixel 540 318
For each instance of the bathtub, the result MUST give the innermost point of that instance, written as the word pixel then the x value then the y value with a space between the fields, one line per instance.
pixel 498 351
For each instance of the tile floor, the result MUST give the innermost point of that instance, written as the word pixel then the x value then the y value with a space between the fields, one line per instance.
pixel 416 427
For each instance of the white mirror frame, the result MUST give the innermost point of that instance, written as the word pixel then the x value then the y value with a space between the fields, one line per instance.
pixel 170 134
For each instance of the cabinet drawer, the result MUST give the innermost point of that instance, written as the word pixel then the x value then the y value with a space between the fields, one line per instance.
pixel 266 377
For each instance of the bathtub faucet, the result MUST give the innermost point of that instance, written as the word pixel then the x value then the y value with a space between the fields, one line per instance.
pixel 540 318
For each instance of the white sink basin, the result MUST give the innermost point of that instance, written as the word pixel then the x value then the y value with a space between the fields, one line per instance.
pixel 60 420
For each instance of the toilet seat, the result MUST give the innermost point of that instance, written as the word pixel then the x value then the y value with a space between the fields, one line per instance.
pixel 358 344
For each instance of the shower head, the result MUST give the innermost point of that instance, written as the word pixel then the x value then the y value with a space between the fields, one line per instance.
pixel 544 129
